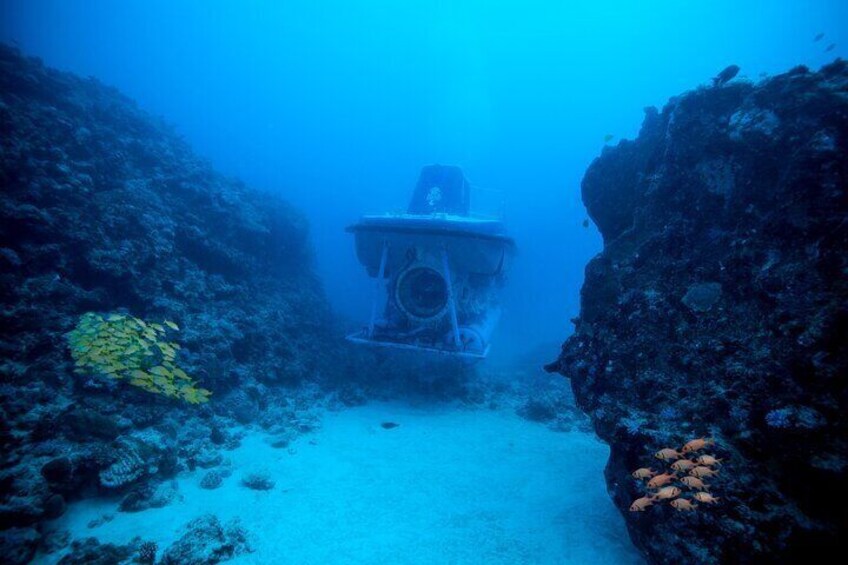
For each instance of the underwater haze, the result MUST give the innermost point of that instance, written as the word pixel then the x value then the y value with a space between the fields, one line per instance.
pixel 631 350
pixel 337 105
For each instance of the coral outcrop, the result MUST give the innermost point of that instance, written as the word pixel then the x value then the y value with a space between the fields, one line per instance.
pixel 127 468
pixel 106 209
pixel 719 306
pixel 206 541
pixel 258 481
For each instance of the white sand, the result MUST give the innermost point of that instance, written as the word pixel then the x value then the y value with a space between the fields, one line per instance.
pixel 447 486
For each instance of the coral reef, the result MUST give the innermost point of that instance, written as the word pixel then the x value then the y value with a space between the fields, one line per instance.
pixel 719 306
pixel 106 209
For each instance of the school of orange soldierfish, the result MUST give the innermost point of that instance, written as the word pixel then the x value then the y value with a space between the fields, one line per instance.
pixel 686 473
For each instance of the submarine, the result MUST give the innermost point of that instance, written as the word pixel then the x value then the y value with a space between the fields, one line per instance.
pixel 437 269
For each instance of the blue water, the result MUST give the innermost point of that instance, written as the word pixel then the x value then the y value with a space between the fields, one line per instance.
pixel 336 105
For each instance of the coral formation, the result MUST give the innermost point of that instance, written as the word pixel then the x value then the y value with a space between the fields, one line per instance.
pixel 127 468
pixel 211 480
pixel 721 294
pixel 258 481
pixel 147 552
pixel 18 545
pixel 125 347
pixel 206 542
pixel 145 496
pixel 106 209
pixel 132 458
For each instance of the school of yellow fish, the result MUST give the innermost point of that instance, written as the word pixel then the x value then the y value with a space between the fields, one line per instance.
pixel 123 347
pixel 687 469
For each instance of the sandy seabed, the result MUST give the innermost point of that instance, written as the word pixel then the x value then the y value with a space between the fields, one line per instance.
pixel 447 485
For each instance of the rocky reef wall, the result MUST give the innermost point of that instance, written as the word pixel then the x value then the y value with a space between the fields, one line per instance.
pixel 719 307
pixel 106 209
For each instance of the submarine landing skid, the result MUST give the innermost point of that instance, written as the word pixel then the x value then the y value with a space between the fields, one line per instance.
pixel 363 339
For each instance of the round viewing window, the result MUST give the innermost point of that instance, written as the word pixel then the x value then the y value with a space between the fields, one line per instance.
pixel 422 292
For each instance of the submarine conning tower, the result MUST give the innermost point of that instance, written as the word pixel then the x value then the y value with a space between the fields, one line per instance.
pixel 438 269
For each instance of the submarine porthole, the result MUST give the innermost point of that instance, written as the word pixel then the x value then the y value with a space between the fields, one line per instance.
pixel 422 292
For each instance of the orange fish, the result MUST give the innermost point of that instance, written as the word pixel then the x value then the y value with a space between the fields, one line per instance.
pixel 667 454
pixel 708 460
pixel 695 483
pixel 706 498
pixel 683 505
pixel 643 473
pixel 640 504
pixel 666 493
pixel 661 480
pixel 697 444
pixel 682 465
pixel 702 472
